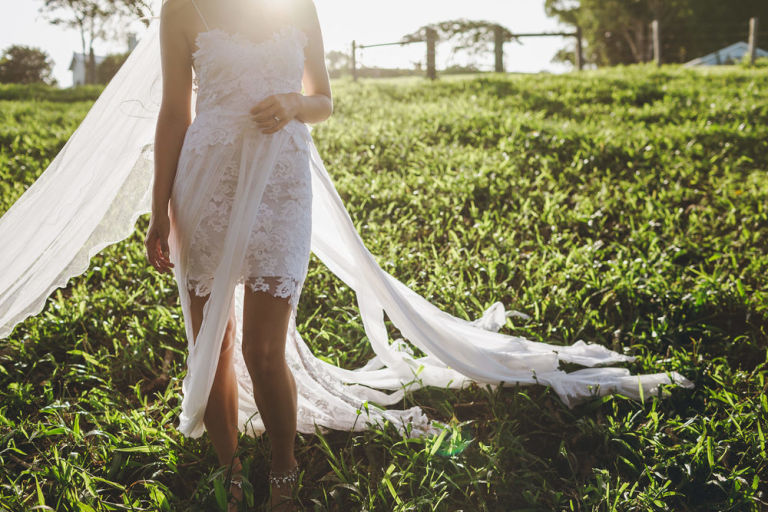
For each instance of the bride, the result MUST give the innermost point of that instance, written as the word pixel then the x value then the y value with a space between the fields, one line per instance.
pixel 239 196
pixel 250 58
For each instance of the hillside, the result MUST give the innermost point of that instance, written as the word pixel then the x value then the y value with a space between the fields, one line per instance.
pixel 626 207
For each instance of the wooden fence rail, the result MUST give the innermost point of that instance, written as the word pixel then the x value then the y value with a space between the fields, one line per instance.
pixel 499 40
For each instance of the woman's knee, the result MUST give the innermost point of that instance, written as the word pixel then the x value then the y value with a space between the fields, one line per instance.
pixel 263 356
pixel 265 323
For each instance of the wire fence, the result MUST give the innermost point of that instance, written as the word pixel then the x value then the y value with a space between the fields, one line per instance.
pixel 673 43
pixel 501 36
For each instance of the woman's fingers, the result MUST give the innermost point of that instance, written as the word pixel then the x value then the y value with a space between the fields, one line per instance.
pixel 166 252
pixel 273 113
pixel 263 104
pixel 163 263
pixel 276 127
pixel 273 121
pixel 269 114
pixel 148 247
pixel 158 253
pixel 265 110
pixel 158 257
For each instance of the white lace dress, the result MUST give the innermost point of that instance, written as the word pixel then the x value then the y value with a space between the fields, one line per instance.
pixel 241 203
pixel 278 249
pixel 279 245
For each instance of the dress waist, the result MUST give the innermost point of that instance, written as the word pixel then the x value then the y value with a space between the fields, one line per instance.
pixel 230 99
pixel 226 126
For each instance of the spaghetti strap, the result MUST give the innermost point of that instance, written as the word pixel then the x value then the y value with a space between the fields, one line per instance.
pixel 201 15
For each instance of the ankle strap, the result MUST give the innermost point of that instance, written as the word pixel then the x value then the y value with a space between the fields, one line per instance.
pixel 287 477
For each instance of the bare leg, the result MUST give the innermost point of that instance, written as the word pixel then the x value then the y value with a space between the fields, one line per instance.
pixel 220 417
pixel 265 326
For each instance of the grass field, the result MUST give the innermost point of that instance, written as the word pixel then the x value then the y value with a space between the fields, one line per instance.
pixel 627 207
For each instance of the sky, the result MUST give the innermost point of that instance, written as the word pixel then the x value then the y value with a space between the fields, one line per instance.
pixel 366 21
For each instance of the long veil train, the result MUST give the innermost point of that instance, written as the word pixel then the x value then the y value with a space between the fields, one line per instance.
pixel 92 193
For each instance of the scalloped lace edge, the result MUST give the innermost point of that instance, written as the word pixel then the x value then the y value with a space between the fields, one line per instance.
pixel 123 224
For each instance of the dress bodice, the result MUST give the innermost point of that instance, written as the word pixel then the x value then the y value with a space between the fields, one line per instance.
pixel 234 73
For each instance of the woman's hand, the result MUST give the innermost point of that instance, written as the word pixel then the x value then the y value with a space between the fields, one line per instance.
pixel 316 104
pixel 156 242
pixel 274 112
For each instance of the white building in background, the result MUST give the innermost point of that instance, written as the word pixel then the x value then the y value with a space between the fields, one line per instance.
pixel 729 55
pixel 77 67
pixel 78 64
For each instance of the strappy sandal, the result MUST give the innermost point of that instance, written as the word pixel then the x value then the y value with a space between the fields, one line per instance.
pixel 235 482
pixel 233 505
pixel 281 479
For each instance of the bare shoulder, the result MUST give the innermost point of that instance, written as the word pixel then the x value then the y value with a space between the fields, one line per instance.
pixel 302 5
pixel 303 13
pixel 173 17
pixel 177 21
pixel 171 9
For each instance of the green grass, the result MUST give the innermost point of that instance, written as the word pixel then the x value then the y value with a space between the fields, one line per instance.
pixel 627 207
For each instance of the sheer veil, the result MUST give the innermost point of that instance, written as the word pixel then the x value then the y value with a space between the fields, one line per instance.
pixel 92 193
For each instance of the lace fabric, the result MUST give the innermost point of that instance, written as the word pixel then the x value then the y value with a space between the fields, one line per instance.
pixel 278 251
pixel 226 90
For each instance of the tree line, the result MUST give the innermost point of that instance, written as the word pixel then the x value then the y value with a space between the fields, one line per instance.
pixel 21 64
pixel 94 20
pixel 618 31
pixel 614 32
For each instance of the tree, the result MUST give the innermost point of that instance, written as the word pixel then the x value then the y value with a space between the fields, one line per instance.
pixel 338 63
pixel 715 24
pixel 618 31
pixel 475 37
pixel 95 20
pixel 109 67
pixel 25 65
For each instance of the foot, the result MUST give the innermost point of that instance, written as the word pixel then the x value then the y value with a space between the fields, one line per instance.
pixel 235 489
pixel 283 486
pixel 235 494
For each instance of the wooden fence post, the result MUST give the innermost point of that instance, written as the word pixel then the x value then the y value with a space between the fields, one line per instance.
pixel 579 51
pixel 354 60
pixel 752 40
pixel 656 42
pixel 498 36
pixel 431 44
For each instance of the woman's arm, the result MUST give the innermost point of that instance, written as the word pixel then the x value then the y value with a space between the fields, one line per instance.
pixel 172 122
pixel 175 113
pixel 316 104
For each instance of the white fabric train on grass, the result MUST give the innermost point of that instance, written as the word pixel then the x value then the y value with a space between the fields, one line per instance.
pixel 95 189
